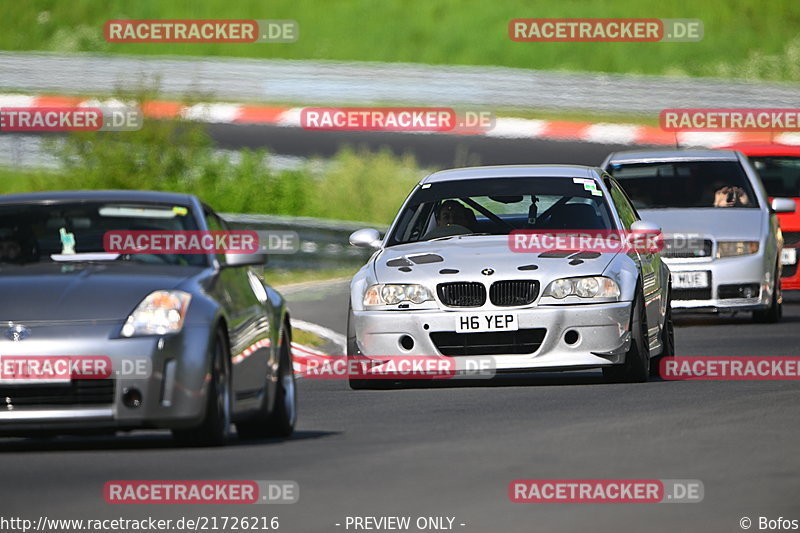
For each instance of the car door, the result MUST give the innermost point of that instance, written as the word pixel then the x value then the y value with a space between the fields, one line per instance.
pixel 237 290
pixel 649 263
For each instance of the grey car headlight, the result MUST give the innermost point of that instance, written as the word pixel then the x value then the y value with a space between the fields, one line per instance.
pixel 160 313
pixel 599 287
pixel 734 248
pixel 390 294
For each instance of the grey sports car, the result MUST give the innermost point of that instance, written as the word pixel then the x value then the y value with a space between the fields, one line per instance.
pixel 447 281
pixel 193 341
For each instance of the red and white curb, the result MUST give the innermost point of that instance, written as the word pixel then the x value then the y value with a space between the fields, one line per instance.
pixel 505 127
pixel 301 354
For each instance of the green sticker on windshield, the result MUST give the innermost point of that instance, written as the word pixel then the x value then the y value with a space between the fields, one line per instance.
pixel 182 211
pixel 589 185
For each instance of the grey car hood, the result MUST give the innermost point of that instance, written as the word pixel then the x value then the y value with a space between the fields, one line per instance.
pixel 722 223
pixel 425 261
pixel 81 291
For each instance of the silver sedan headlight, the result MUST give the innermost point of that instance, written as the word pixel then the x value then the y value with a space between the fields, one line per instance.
pixel 736 248
pixel 596 287
pixel 391 294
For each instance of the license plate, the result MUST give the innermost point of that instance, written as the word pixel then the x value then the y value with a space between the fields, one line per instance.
pixel 789 256
pixel 690 280
pixel 482 322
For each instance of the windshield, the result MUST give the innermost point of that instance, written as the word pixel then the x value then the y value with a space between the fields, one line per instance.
pixel 685 184
pixel 74 231
pixel 780 174
pixel 498 206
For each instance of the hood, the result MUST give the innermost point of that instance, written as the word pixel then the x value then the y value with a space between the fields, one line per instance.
pixel 462 259
pixel 720 223
pixel 80 291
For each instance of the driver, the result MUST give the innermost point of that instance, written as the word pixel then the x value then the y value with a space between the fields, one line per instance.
pixel 453 213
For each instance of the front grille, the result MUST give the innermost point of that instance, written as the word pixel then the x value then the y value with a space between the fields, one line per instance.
pixel 76 392
pixel 691 294
pixel 520 342
pixel 462 294
pixel 687 248
pixel 791 238
pixel 513 292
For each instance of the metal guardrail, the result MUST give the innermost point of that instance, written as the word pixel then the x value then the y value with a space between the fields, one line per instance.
pixel 320 82
pixel 323 244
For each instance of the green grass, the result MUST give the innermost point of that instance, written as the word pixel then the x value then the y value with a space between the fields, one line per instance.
pixel 747 38
pixel 281 278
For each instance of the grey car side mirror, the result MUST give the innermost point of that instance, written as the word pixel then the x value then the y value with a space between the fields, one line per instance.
pixel 366 238
pixel 783 205
pixel 645 227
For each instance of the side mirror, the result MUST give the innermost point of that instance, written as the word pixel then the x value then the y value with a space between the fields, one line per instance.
pixel 366 238
pixel 236 260
pixel 645 227
pixel 783 205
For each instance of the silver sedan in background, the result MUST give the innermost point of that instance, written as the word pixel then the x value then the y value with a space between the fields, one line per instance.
pixel 722 240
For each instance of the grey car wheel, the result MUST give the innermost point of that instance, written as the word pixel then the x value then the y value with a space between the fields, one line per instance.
pixel 280 421
pixel 214 428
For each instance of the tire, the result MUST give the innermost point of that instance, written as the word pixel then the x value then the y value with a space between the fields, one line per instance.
pixel 774 313
pixel 281 420
pixel 636 368
pixel 214 428
pixel 352 349
pixel 667 340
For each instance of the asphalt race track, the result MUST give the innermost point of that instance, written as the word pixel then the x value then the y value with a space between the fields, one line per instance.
pixel 452 451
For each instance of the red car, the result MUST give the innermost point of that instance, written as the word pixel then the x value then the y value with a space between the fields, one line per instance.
pixel 779 168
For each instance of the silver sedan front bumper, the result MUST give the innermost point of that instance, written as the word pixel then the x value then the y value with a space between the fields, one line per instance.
pixel 602 335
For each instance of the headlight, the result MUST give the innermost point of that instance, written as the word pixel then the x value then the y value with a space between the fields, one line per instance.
pixel 734 248
pixel 391 294
pixel 591 287
pixel 161 312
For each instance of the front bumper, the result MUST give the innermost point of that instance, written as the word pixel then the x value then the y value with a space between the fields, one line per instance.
pixel 729 271
pixel 168 372
pixel 602 335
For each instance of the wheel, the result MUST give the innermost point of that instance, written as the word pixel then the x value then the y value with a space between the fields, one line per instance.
pixel 667 340
pixel 774 312
pixel 213 430
pixel 280 421
pixel 636 368
pixel 352 349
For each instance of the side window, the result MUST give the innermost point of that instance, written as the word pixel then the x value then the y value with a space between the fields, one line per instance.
pixel 627 213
